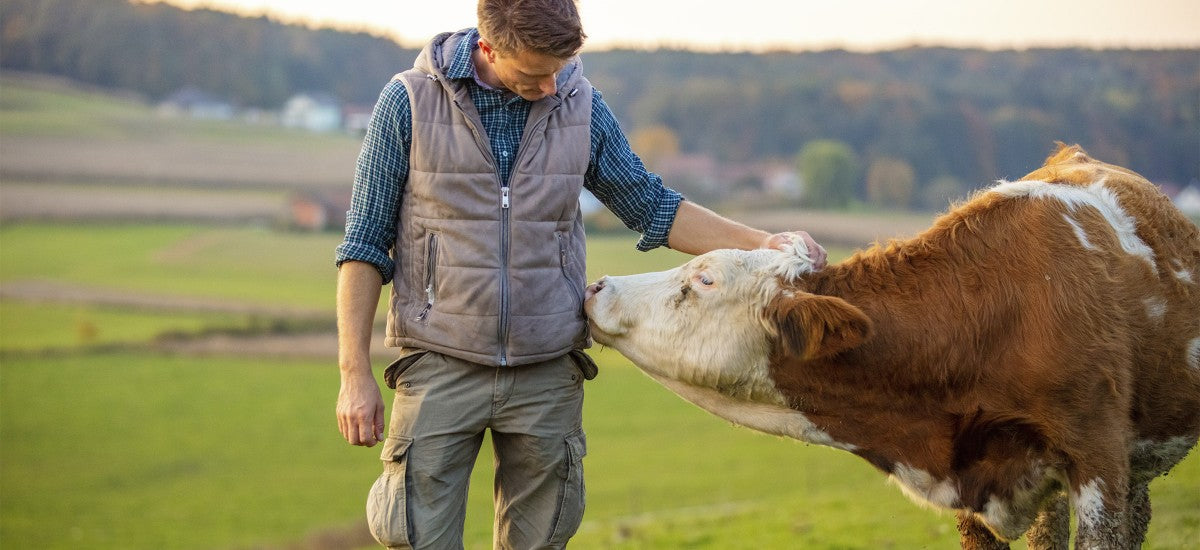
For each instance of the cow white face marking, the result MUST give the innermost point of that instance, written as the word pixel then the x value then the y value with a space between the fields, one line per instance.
pixel 700 323
pixel 1096 196
pixel 700 330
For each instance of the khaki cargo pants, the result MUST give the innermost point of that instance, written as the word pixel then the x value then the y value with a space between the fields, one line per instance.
pixel 441 409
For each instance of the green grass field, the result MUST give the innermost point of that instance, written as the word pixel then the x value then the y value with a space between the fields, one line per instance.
pixel 151 451
pixel 138 449
pixel 33 106
pixel 107 443
pixel 26 326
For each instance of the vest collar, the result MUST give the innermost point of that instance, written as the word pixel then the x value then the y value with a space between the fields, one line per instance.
pixel 447 58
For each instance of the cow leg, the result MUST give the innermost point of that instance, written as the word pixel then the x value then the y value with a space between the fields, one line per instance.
pixel 1052 528
pixel 1139 513
pixel 1100 514
pixel 973 535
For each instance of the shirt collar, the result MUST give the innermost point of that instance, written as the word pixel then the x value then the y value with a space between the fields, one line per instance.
pixel 461 65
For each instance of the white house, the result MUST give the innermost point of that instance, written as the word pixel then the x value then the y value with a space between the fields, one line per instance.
pixel 1188 200
pixel 196 103
pixel 312 111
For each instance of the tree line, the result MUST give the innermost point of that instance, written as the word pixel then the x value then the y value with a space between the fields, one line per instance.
pixel 920 119
pixel 157 49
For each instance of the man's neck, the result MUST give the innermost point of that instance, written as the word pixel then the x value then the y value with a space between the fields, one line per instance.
pixel 483 70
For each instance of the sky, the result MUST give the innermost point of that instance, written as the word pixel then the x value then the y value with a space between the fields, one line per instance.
pixel 758 25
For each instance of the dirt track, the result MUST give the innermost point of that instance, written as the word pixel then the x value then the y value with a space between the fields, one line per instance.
pixel 174 160
pixel 309 345
pixel 46 291
pixel 22 201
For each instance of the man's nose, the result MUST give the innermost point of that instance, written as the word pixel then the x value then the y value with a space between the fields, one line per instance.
pixel 548 86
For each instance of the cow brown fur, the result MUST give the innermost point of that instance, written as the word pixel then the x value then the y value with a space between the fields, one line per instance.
pixel 1032 347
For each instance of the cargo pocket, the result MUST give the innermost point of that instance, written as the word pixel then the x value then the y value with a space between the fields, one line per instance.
pixel 584 363
pixel 394 370
pixel 571 495
pixel 387 504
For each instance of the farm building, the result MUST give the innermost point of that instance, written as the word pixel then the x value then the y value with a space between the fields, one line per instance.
pixel 317 112
pixel 319 210
pixel 196 103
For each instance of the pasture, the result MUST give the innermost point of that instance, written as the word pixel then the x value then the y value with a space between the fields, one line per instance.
pixel 113 434
pixel 138 448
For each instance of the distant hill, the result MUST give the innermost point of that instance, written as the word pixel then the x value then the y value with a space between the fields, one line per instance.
pixel 957 117
pixel 157 49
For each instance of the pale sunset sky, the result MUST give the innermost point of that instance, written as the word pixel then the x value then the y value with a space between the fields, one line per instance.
pixel 785 24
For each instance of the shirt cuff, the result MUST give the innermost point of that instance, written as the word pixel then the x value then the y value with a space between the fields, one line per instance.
pixel 661 221
pixel 352 251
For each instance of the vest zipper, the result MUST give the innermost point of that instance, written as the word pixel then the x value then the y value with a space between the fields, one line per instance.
pixel 481 139
pixel 505 237
pixel 430 275
pixel 505 203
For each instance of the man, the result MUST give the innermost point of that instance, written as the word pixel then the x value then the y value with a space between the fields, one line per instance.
pixel 469 176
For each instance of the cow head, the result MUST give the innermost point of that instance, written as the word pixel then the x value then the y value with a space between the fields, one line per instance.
pixel 716 321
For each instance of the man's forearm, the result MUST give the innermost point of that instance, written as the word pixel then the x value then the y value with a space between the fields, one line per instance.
pixel 697 230
pixel 358 289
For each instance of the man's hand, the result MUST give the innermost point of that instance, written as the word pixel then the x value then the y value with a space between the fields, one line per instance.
pixel 359 406
pixel 360 410
pixel 816 252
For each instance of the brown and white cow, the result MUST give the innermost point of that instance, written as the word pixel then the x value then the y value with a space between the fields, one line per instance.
pixel 1040 342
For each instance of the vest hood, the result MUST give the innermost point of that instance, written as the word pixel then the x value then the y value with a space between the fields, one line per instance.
pixel 437 56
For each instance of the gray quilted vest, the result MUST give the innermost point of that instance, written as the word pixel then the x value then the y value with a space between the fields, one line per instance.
pixel 485 273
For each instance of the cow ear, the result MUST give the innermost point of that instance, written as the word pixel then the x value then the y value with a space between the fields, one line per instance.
pixel 810 326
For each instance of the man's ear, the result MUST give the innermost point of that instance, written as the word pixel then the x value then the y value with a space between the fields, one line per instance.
pixel 488 51
pixel 809 326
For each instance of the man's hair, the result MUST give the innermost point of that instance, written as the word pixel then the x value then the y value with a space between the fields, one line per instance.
pixel 548 27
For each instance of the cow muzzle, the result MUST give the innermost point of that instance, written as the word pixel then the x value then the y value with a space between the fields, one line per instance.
pixel 603 310
pixel 594 288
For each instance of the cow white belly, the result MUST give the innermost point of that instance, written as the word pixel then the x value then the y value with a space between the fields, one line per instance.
pixel 764 417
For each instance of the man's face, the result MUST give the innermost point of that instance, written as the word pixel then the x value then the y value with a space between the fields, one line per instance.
pixel 528 74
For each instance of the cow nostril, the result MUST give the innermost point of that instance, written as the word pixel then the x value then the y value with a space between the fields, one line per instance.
pixel 592 289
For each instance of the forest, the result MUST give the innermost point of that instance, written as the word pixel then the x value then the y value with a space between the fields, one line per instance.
pixel 908 123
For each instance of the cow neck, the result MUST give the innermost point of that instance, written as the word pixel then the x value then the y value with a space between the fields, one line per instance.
pixel 870 396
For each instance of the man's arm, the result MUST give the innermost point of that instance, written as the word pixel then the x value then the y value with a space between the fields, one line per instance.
pixel 697 230
pixel 359 407
pixel 364 263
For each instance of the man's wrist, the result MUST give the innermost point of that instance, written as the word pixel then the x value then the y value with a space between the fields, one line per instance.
pixel 355 368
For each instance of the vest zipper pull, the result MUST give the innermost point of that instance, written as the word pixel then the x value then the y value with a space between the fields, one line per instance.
pixel 504 197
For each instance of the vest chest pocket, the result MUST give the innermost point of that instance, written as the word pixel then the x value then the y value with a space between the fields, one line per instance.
pixel 430 282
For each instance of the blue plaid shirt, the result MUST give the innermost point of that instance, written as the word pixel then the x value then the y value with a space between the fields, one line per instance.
pixel 615 175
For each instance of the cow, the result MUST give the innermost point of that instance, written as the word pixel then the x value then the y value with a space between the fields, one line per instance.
pixel 1036 350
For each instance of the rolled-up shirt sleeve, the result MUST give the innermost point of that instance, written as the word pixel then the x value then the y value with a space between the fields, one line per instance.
pixel 379 179
pixel 617 177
